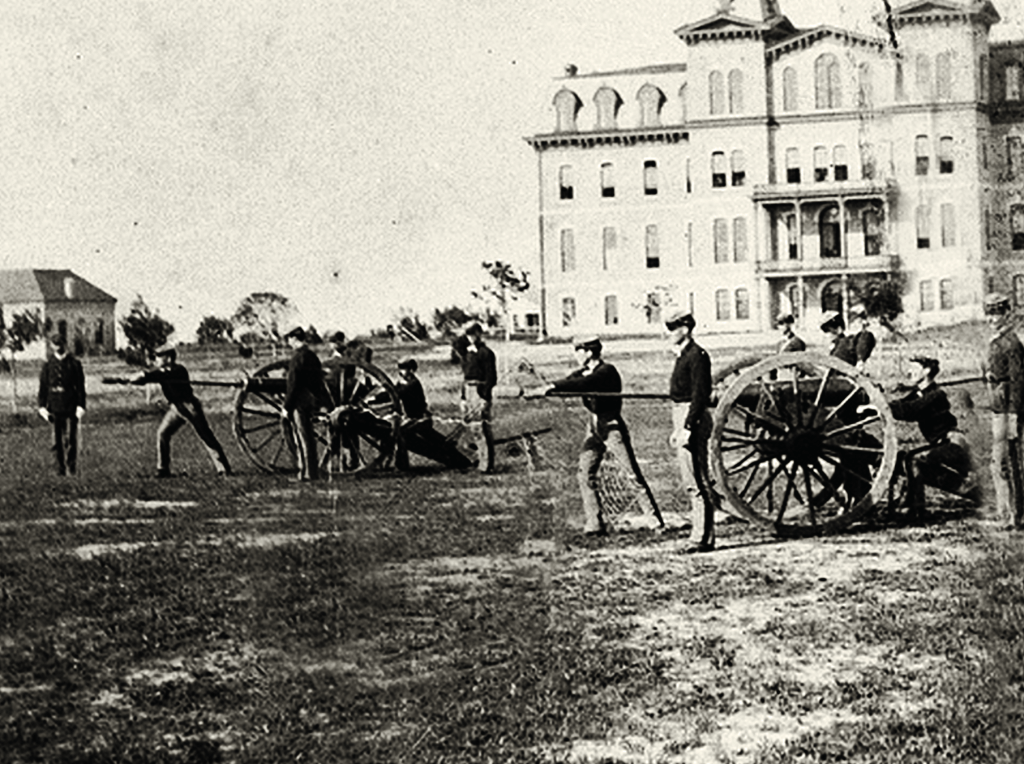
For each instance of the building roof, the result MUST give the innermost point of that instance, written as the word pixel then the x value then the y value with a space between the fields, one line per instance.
pixel 46 286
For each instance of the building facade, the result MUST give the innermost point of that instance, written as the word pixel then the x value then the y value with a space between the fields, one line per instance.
pixel 780 169
pixel 68 304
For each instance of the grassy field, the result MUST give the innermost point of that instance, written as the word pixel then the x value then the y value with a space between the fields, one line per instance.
pixel 436 616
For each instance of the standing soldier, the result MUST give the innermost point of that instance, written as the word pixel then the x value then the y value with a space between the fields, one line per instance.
pixel 863 341
pixel 690 391
pixel 62 403
pixel 480 375
pixel 183 406
pixel 1005 376
pixel 842 346
pixel 790 342
pixel 606 431
pixel 304 392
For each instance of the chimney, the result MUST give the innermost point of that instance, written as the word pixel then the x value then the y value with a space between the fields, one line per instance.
pixel 69 287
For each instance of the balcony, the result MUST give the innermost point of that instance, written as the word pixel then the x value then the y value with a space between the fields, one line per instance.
pixel 834 189
pixel 828 266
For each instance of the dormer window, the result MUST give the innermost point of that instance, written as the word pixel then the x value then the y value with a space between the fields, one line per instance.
pixel 607 102
pixel 567 106
pixel 651 99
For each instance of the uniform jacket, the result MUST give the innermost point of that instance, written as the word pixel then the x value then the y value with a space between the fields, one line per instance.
pixel 305 382
pixel 602 378
pixel 1005 369
pixel 930 409
pixel 863 344
pixel 691 382
pixel 792 345
pixel 844 347
pixel 62 385
pixel 414 400
pixel 480 369
pixel 173 380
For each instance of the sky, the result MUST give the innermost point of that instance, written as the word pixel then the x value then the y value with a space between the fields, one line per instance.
pixel 361 159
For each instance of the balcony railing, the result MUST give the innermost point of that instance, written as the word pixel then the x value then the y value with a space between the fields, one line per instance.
pixel 823 266
pixel 810 190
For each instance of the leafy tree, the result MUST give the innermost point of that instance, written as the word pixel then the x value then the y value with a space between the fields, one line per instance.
pixel 145 330
pixel 410 325
pixel 25 328
pixel 213 330
pixel 883 299
pixel 448 320
pixel 262 315
pixel 505 285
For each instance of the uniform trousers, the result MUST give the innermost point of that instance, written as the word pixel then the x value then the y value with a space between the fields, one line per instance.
pixel 604 435
pixel 691 454
pixel 65 443
pixel 1008 506
pixel 476 413
pixel 177 415
pixel 301 420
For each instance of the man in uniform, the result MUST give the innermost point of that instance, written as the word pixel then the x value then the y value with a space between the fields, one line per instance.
pixel 606 431
pixel 418 423
pixel 690 391
pixel 864 340
pixel 480 375
pixel 304 393
pixel 183 406
pixel 62 402
pixel 1005 376
pixel 842 345
pixel 790 342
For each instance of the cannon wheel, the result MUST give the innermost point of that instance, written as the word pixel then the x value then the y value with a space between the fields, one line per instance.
pixel 368 422
pixel 790 452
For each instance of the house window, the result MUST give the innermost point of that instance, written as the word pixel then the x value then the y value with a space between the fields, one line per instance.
pixel 721 235
pixel 607 102
pixel 568 311
pixel 867 161
pixel 789 91
pixel 742 304
pixel 1018 290
pixel 944 75
pixel 611 310
pixel 791 235
pixel 948 214
pixel 567 106
pixel 840 168
pixel 828 233
pixel 872 232
pixel 865 86
pixel 651 99
pixel 946 294
pixel 565 184
pixel 718 169
pixel 653 308
pixel 739 240
pixel 1013 82
pixel 607 180
pixel 735 91
pixel 927 290
pixel 792 165
pixel 796 303
pixel 609 242
pixel 1017 226
pixel 921 154
pixel 739 168
pixel 923 68
pixel 568 250
pixel 650 178
pixel 820 164
pixel 723 307
pixel 652 246
pixel 827 85
pixel 716 93
pixel 923 225
pixel 945 155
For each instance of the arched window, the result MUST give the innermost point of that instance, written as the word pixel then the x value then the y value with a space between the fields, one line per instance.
pixel 840 163
pixel 832 297
pixel 650 178
pixel 718 169
pixel 735 91
pixel 739 168
pixel 609 243
pixel 827 84
pixel 652 246
pixel 723 309
pixel 739 240
pixel 944 75
pixel 923 71
pixel 923 224
pixel 865 86
pixel 742 304
pixel 946 155
pixel 947 213
pixel 789 92
pixel 607 180
pixel 716 93
pixel 792 165
pixel 567 106
pixel 1017 226
pixel 868 166
pixel 795 299
pixel 922 152
pixel 829 233
pixel 820 164
pixel 651 100
pixel 683 96
pixel 946 294
pixel 926 290
pixel 607 102
pixel 566 187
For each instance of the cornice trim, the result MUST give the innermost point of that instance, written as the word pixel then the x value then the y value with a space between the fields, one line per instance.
pixel 595 139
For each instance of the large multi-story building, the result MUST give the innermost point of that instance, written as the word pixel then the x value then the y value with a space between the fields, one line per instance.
pixel 785 169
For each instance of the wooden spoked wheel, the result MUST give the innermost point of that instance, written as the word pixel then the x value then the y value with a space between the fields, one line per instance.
pixel 802 444
pixel 364 434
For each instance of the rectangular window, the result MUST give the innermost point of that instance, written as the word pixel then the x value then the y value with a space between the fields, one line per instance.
pixel 723 309
pixel 721 237
pixel 921 154
pixel 739 168
pixel 820 164
pixel 611 310
pixel 652 246
pixel 948 225
pixel 868 166
pixel 607 180
pixel 568 311
pixel 792 165
pixel 653 308
pixel 1017 226
pixel 568 250
pixel 742 304
pixel 946 294
pixel 718 169
pixel 739 240
pixel 791 235
pixel 923 224
pixel 565 184
pixel 840 167
pixel 927 290
pixel 609 243
pixel 945 155
pixel 650 178
pixel 872 232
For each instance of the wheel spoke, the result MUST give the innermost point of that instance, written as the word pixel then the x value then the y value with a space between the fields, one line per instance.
pixel 807 488
pixel 739 466
pixel 816 407
pixel 790 480
pixel 826 482
pixel 766 391
pixel 853 426
pixel 771 477
pixel 835 411
pixel 797 418
pixel 261 412
pixel 766 421
pixel 833 447
pixel 275 403
pixel 262 445
pixel 846 470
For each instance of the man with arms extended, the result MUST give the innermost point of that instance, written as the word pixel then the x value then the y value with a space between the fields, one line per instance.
pixel 304 392
pixel 62 402
pixel 480 375
pixel 183 406
pixel 1005 377
pixel 690 391
pixel 606 431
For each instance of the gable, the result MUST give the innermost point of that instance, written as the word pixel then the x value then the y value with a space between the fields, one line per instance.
pixel 722 25
pixel 936 10
pixel 48 286
pixel 810 37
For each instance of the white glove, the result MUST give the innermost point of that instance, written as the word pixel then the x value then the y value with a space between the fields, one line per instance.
pixel 79 412
pixel 44 414
pixel 1011 427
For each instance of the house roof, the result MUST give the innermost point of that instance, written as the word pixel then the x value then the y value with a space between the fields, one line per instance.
pixel 46 286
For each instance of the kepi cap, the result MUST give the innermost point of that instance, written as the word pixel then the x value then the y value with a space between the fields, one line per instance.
pixel 680 318
pixel 996 303
pixel 408 363
pixel 932 364
pixel 857 311
pixel 786 318
pixel 586 342
pixel 474 328
pixel 831 318
pixel 58 341
pixel 166 349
